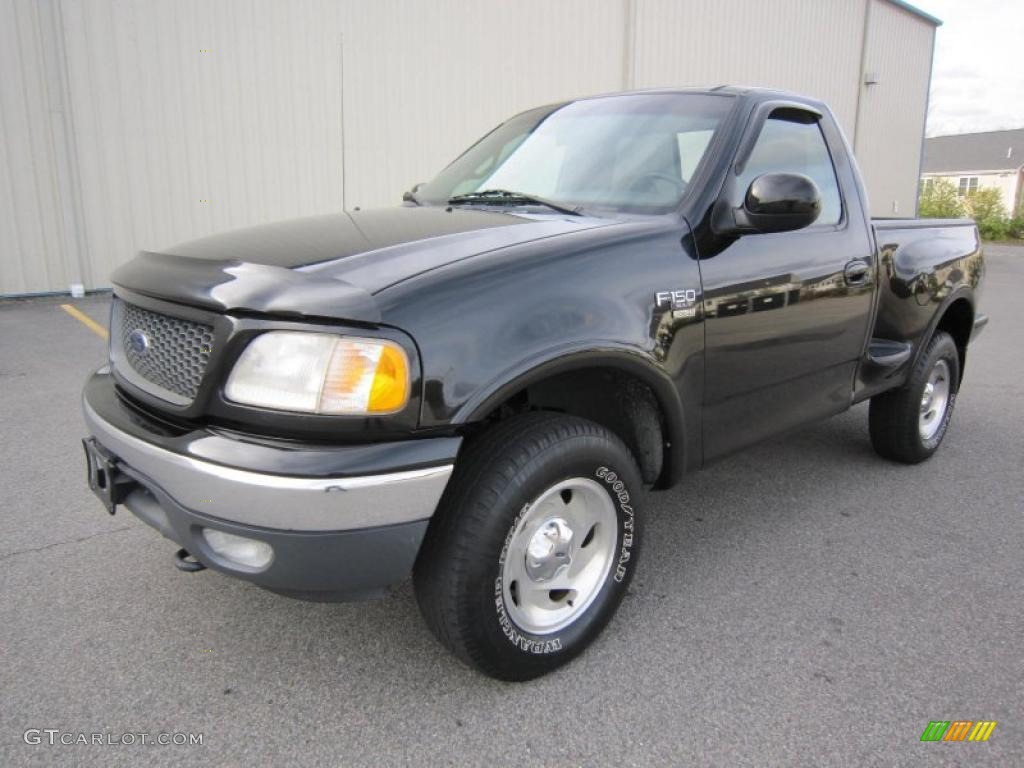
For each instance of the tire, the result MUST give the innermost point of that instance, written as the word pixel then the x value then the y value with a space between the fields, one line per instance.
pixel 536 499
pixel 901 428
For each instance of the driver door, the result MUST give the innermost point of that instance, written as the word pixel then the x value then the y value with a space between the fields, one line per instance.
pixel 785 326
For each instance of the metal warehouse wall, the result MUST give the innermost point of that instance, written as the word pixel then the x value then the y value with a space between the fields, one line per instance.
pixel 890 132
pixel 33 255
pixel 134 125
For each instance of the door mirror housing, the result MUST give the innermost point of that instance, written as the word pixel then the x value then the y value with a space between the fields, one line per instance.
pixel 779 202
pixel 774 202
pixel 409 196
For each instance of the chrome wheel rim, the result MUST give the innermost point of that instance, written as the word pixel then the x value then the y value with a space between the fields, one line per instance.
pixel 558 556
pixel 934 400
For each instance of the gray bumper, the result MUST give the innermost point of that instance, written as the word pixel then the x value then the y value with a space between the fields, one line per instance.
pixel 316 565
pixel 334 534
pixel 277 501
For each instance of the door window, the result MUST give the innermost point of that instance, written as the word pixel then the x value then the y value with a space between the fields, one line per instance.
pixel 795 145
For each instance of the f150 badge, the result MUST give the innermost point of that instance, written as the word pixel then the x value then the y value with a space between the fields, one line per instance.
pixel 683 303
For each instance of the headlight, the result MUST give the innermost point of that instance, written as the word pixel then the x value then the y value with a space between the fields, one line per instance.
pixel 321 373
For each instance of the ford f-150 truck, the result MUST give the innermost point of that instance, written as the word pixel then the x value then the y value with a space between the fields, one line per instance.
pixel 479 386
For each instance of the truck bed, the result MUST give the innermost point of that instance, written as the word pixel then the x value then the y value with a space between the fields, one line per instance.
pixel 920 262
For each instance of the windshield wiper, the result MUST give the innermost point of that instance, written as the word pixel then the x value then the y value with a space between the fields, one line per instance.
pixel 504 196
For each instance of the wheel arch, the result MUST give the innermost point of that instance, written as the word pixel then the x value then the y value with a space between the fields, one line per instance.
pixel 628 364
pixel 955 316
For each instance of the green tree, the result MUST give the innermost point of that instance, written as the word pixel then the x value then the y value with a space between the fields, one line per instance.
pixel 986 203
pixel 985 206
pixel 939 200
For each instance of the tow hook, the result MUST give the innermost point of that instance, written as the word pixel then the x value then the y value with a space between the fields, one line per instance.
pixel 186 561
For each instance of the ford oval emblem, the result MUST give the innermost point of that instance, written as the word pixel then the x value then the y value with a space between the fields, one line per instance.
pixel 138 342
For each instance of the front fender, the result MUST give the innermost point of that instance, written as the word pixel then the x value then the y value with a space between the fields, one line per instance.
pixel 608 355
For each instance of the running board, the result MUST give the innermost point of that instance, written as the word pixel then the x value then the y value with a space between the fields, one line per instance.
pixel 889 354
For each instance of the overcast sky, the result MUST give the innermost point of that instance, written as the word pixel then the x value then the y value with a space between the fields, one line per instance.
pixel 978 74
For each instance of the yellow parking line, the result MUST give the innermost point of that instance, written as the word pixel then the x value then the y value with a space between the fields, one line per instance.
pixel 85 320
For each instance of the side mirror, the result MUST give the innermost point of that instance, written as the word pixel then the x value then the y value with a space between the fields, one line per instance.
pixel 410 195
pixel 779 202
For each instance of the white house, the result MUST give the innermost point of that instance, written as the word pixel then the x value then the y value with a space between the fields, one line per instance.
pixel 974 161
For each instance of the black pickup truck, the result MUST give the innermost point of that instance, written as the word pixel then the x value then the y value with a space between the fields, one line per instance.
pixel 479 386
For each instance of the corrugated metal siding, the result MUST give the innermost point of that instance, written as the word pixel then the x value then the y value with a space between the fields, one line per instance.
pixel 194 116
pixel 891 125
pixel 425 79
pixel 808 46
pixel 32 256
pixel 189 117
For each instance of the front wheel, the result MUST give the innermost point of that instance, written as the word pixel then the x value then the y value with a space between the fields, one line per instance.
pixel 533 545
pixel 908 424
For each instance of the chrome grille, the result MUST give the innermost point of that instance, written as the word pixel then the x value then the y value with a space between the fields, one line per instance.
pixel 159 353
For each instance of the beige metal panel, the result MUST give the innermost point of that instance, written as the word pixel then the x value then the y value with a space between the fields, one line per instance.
pixel 808 46
pixel 193 117
pixel 31 253
pixel 189 117
pixel 426 78
pixel 892 111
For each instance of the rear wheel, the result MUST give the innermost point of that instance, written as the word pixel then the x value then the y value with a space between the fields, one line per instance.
pixel 533 545
pixel 908 424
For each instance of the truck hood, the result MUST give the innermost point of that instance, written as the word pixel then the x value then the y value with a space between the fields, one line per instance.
pixel 330 266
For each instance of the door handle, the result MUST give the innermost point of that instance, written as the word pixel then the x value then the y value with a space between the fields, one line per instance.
pixel 857 272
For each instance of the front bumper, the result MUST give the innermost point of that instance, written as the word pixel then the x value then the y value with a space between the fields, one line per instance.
pixel 341 520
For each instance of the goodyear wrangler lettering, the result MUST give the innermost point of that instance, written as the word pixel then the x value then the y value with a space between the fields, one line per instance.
pixel 619 488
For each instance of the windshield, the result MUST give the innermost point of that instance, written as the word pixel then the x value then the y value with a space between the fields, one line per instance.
pixel 634 153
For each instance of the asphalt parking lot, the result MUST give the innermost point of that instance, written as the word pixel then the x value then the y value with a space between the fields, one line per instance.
pixel 804 603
